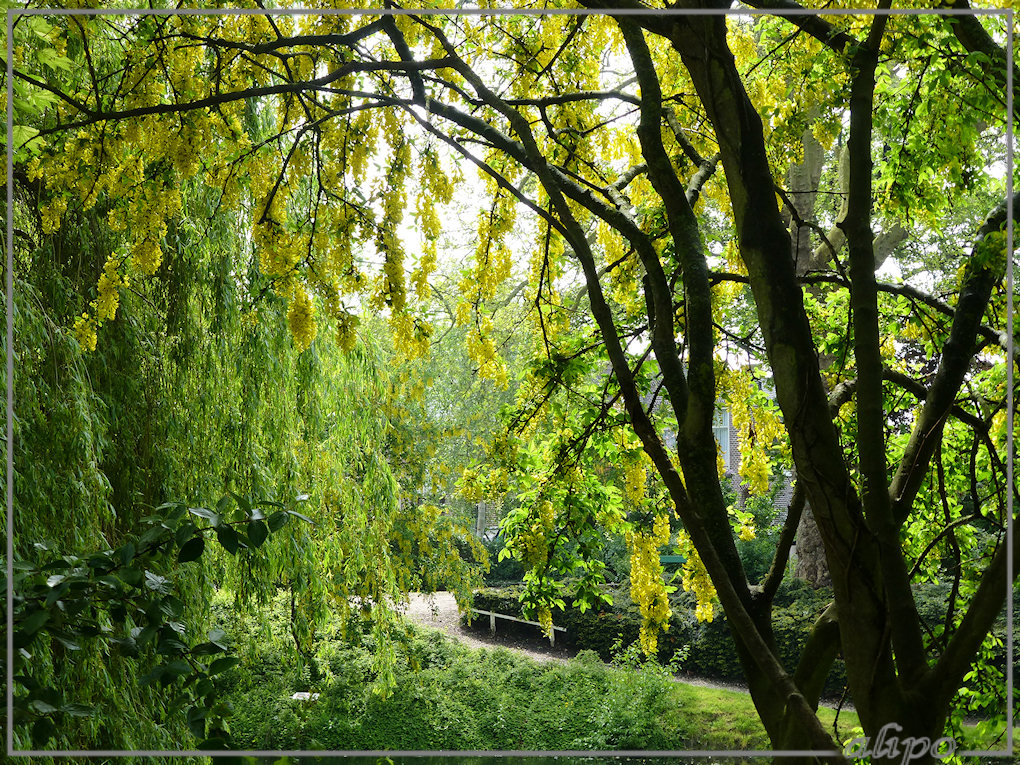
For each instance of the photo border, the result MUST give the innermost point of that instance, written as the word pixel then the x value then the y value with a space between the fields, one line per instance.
pixel 11 13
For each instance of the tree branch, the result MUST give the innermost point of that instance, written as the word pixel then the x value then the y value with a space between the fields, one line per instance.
pixel 770 584
pixel 983 271
pixel 811 23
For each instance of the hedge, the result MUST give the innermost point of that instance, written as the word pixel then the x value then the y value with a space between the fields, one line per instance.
pixel 709 647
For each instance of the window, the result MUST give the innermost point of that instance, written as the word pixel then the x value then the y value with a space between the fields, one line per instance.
pixel 721 431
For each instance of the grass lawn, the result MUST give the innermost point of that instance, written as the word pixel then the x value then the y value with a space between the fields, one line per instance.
pixel 728 720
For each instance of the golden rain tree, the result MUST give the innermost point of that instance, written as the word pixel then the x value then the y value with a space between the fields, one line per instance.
pixel 699 205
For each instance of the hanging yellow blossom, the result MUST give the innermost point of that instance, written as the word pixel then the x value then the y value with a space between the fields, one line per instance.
pixel 646 584
pixel 346 335
pixel 545 620
pixel 146 256
pixel 695 578
pixel 110 282
pixel 301 318
pixel 635 477
pixel 85 332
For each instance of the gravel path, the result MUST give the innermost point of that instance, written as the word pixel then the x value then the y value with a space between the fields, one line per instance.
pixel 439 611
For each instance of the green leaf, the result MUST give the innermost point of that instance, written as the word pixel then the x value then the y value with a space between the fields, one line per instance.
pixel 171 647
pixel 42 707
pixel 177 511
pixel 196 720
pixel 276 520
pixel 305 518
pixel 67 642
pixel 152 536
pixel 78 710
pixel 157 583
pixel 205 649
pixel 223 505
pixel 128 646
pixel 192 549
pixel 204 512
pixel 219 637
pixel 32 622
pixel 101 561
pixel 153 676
pixel 257 533
pixel 228 538
pixel 126 553
pixel 175 669
pixel 49 57
pixel 57 593
pixel 24 133
pixel 185 532
pixel 132 576
pixel 223 664
pixel 143 635
pixel 243 503
pixel 216 742
pixel 171 607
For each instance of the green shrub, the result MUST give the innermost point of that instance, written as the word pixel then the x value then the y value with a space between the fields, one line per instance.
pixel 445 697
pixel 501 571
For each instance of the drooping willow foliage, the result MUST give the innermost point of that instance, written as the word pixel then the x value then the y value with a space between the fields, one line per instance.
pixel 198 394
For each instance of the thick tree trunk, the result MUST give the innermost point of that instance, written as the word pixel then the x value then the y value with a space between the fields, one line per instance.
pixel 765 247
pixel 811 565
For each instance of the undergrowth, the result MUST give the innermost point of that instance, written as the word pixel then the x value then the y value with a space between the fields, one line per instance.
pixel 447 697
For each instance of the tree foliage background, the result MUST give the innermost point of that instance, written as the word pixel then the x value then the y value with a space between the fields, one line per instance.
pixel 672 211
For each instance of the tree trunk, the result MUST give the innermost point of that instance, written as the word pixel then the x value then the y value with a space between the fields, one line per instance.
pixel 811 565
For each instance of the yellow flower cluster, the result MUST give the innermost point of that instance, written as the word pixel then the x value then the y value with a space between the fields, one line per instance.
pixel 410 335
pixel 746 532
pixel 393 287
pixel 346 331
pixel 146 256
pixel 695 578
pixel 51 214
pixel 435 189
pixel 108 299
pixel 547 515
pixel 301 318
pixel 646 585
pixel 85 332
pixel 755 466
pixel 279 251
pixel 493 258
pixel 533 546
pixel 545 620
pixel 482 350
pixel 635 478
pixel 104 307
